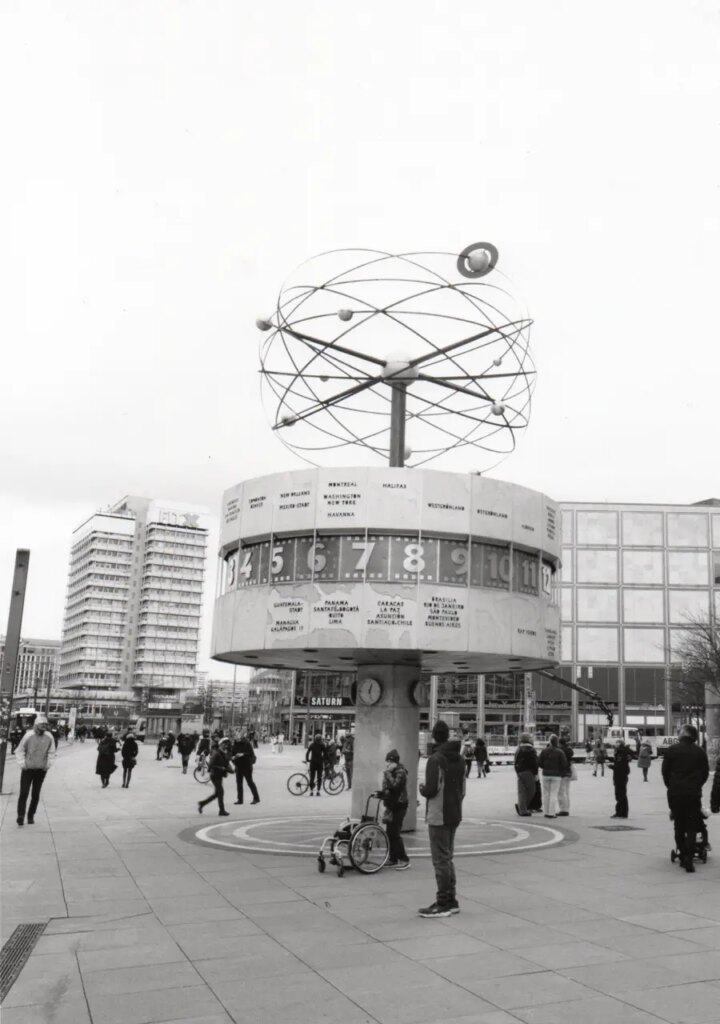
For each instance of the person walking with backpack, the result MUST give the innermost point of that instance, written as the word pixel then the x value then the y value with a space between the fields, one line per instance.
pixel 395 801
pixel 468 752
pixel 219 767
pixel 444 790
pixel 244 757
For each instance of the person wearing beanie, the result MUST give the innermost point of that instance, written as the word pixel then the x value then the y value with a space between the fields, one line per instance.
pixel 395 801
pixel 443 789
pixel 35 755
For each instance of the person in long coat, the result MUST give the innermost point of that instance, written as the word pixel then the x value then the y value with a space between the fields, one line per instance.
pixel 105 766
pixel 645 759
pixel 129 755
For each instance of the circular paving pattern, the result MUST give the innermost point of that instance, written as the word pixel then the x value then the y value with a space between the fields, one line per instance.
pixel 303 836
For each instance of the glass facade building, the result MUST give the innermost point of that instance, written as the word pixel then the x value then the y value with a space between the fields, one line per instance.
pixel 632 577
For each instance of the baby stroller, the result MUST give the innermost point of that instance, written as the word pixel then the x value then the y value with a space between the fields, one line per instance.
pixel 360 844
pixel 702 843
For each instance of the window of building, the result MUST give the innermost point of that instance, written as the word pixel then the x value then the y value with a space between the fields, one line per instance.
pixel 644 645
pixel 687 530
pixel 643 567
pixel 688 604
pixel 688 568
pixel 643 606
pixel 597 566
pixel 597 528
pixel 597 643
pixel 642 528
pixel 595 605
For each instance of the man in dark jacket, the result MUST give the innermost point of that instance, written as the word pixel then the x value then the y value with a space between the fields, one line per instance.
pixel 219 766
pixel 685 771
pixel 395 800
pixel 315 756
pixel 526 769
pixel 186 745
pixel 621 771
pixel 443 789
pixel 244 757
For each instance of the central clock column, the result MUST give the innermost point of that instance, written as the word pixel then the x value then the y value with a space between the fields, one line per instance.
pixel 393 722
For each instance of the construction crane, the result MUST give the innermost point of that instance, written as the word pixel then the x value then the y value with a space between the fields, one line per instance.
pixel 580 689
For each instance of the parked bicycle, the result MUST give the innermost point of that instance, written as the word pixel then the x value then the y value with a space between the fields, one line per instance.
pixel 333 782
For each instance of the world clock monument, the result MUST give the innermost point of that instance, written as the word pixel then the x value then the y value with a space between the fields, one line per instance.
pixel 381 565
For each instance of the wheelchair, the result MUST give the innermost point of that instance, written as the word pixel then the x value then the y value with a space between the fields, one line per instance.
pixel 362 844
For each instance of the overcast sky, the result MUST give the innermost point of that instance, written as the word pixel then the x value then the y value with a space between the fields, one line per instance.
pixel 167 164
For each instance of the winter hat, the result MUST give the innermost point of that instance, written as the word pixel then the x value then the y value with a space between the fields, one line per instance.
pixel 392 755
pixel 441 732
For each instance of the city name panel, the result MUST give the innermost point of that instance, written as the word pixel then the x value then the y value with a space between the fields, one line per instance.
pixel 334 568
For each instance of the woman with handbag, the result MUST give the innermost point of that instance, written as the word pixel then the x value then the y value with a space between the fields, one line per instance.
pixel 128 753
pixel 395 801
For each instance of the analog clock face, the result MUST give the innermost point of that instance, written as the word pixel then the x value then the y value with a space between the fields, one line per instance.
pixel 420 693
pixel 369 691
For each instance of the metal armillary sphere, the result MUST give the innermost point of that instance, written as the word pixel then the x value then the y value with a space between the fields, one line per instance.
pixel 368 347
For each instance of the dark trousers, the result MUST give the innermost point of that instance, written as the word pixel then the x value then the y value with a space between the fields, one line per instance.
pixel 468 766
pixel 621 801
pixel 127 772
pixel 316 774
pixel 30 777
pixel 687 819
pixel 244 773
pixel 442 845
pixel 481 767
pixel 185 758
pixel 218 795
pixel 349 771
pixel 526 791
pixel 393 828
pixel 536 802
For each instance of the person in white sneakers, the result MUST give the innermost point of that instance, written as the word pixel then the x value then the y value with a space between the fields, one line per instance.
pixel 35 754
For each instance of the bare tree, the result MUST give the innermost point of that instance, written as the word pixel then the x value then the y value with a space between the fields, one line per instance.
pixel 696 652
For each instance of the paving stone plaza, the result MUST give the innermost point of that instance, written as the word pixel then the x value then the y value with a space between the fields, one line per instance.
pixel 155 914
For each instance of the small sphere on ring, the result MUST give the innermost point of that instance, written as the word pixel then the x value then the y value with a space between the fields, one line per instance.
pixel 407 452
pixel 263 325
pixel 478 260
pixel 498 409
pixel 497 362
pixel 345 314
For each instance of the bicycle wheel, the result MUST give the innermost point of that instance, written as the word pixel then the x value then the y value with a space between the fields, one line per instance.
pixel 298 784
pixel 369 848
pixel 201 774
pixel 334 784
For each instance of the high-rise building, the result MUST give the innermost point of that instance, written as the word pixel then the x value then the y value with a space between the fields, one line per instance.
pixel 37 671
pixel 134 602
